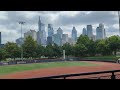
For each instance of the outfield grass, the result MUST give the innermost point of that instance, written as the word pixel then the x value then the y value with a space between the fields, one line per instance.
pixel 16 68
pixel 103 57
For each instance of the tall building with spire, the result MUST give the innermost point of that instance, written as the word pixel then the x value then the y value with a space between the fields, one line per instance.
pixel 41 34
pixel 74 35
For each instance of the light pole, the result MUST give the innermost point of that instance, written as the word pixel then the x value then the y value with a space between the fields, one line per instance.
pixel 119 21
pixel 22 23
pixel 64 54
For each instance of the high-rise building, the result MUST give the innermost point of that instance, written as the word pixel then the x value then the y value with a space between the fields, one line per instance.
pixel 31 33
pixel 50 34
pixel 100 32
pixel 41 34
pixel 19 41
pixel 50 30
pixel 60 32
pixel 84 31
pixel 64 38
pixel 0 38
pixel 94 37
pixel 74 34
pixel 70 41
pixel 49 40
pixel 57 39
pixel 89 31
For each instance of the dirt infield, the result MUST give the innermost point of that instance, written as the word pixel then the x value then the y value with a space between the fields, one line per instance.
pixel 62 70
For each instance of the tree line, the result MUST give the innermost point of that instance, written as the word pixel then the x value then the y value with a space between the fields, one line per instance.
pixel 83 47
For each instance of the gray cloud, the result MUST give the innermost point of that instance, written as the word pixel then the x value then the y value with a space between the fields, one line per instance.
pixel 92 18
pixel 57 18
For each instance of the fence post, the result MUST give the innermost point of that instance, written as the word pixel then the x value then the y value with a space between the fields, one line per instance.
pixel 98 77
pixel 113 76
pixel 64 77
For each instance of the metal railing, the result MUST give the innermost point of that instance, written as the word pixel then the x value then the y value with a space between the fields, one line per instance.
pixel 95 74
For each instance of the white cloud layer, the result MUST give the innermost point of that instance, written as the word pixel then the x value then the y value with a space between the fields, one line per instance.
pixel 65 19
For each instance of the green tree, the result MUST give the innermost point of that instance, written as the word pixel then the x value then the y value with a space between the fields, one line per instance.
pixel 49 51
pixel 57 50
pixel 114 43
pixel 102 47
pixel 12 50
pixel 80 50
pixel 68 49
pixel 91 48
pixel 83 39
pixel 29 47
pixel 40 51
pixel 3 54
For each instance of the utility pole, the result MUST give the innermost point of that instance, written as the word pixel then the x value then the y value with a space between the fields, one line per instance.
pixel 22 23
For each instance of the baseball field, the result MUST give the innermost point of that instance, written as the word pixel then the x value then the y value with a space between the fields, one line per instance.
pixel 23 67
pixel 36 70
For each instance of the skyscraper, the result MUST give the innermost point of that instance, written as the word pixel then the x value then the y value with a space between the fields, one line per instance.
pixel 64 38
pixel 74 34
pixel 50 30
pixel 100 32
pixel 60 32
pixel 41 34
pixel 70 41
pixel 89 31
pixel 0 38
pixel 50 34
pixel 94 37
pixel 84 31
pixel 49 40
pixel 31 33
pixel 57 39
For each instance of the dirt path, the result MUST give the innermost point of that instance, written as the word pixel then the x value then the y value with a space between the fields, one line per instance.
pixel 62 70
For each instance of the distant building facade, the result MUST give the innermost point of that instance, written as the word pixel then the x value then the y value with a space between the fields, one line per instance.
pixel 60 32
pixel 89 31
pixel 74 35
pixel 41 34
pixel 94 37
pixel 19 41
pixel 84 32
pixel 64 38
pixel 31 33
pixel 50 30
pixel 100 32
pixel 70 41
pixel 49 40
pixel 57 39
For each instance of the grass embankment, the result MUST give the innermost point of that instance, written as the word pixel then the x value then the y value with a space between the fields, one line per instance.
pixel 103 57
pixel 16 68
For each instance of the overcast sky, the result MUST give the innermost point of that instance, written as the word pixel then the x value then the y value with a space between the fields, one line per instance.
pixel 10 28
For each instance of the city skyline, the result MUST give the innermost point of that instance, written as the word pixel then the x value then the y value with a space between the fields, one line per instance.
pixel 65 19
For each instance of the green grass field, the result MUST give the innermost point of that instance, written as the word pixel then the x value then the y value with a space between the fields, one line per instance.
pixel 23 67
pixel 103 57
